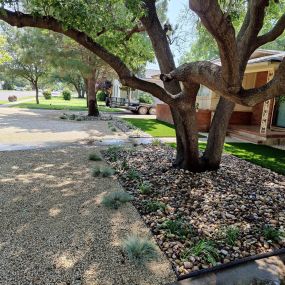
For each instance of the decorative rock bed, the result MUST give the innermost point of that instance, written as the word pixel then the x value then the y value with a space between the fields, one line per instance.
pixel 84 117
pixel 204 219
pixel 130 130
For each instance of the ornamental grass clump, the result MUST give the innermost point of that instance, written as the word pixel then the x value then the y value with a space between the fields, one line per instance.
pixel 205 249
pixel 115 200
pixel 140 250
pixel 272 234
pixel 153 206
pixel 95 157
pixel 231 235
pixel 177 227
pixel 102 171
pixel 145 188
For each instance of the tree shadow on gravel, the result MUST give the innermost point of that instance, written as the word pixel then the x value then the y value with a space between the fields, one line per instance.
pixel 54 229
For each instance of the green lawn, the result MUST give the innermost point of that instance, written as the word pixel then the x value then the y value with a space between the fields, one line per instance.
pixel 154 127
pixel 262 155
pixel 75 104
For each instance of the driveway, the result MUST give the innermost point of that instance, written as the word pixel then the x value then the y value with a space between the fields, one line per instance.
pixel 24 129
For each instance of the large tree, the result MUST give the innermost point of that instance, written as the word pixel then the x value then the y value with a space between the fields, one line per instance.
pixel 126 19
pixel 28 50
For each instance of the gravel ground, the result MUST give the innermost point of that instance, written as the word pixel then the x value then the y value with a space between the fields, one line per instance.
pixel 54 229
pixel 240 196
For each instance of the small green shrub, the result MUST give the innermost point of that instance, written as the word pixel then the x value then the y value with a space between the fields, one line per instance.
pixel 231 235
pixel 146 98
pixel 115 199
pixel 205 249
pixel 125 165
pixel 145 188
pixel 177 227
pixel 107 172
pixel 101 96
pixel 272 234
pixel 153 206
pixel 133 174
pixel 113 129
pixel 47 94
pixel 140 250
pixel 96 171
pixel 66 94
pixel 113 152
pixel 95 157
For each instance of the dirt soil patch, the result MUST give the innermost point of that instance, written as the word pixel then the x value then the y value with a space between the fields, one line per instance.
pixel 54 229
pixel 204 219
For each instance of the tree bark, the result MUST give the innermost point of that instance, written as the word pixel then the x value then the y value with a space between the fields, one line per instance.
pixel 92 101
pixel 37 92
pixel 211 158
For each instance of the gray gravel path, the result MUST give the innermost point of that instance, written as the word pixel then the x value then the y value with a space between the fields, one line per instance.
pixel 54 230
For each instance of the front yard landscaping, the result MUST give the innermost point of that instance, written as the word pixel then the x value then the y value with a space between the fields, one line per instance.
pixel 58 103
pixel 204 219
pixel 262 155
pixel 154 127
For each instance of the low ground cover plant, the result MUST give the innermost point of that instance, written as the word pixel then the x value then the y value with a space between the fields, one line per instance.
pixel 204 249
pixel 272 234
pixel 116 199
pixel 153 206
pixel 177 227
pixel 145 188
pixel 102 171
pixel 139 250
pixel 95 157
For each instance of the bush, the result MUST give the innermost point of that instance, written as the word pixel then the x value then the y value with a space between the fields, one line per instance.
pixel 12 98
pixel 115 199
pixel 47 94
pixel 113 129
pixel 95 157
pixel 146 98
pixel 139 250
pixel 101 96
pixel 66 94
pixel 145 188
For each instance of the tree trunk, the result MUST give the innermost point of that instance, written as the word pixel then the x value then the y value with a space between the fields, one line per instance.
pixel 37 93
pixel 211 158
pixel 92 101
pixel 86 89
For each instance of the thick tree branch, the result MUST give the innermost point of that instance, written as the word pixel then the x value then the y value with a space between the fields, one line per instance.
pixel 209 75
pixel 221 28
pixel 251 27
pixel 134 30
pixel 45 22
pixel 273 34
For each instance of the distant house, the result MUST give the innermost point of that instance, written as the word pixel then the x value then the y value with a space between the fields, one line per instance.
pixel 263 123
pixel 120 91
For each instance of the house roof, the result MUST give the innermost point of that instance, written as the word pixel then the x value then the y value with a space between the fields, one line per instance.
pixel 261 55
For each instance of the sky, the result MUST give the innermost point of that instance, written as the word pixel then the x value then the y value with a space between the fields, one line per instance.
pixel 174 9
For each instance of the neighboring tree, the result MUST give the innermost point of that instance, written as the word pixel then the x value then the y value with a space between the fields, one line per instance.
pixel 4 55
pixel 123 24
pixel 28 51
